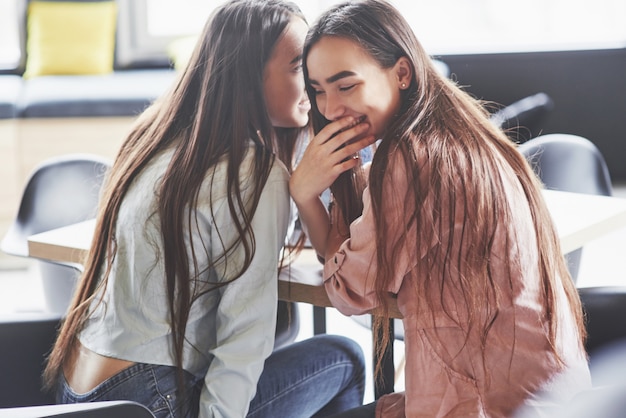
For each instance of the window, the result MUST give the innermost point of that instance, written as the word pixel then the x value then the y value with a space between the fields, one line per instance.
pixel 10 51
pixel 147 27
pixel 443 26
pixel 492 26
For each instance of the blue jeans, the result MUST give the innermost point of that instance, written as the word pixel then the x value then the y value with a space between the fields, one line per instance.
pixel 151 385
pixel 317 377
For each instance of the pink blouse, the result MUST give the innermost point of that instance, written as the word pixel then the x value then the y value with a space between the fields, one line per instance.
pixel 447 376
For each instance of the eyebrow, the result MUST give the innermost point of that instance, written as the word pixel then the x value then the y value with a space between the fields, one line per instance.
pixel 296 59
pixel 333 78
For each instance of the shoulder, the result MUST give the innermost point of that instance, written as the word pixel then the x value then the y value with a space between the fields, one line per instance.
pixel 279 172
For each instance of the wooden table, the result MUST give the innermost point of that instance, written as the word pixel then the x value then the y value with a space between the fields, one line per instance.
pixel 299 282
pixel 578 218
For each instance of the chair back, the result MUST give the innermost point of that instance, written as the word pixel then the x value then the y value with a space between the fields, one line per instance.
pixel 568 163
pixel 605 315
pixel 60 191
pixel 523 119
pixel 287 324
pixel 25 341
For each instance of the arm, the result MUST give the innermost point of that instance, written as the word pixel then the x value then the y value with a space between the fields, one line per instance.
pixel 339 231
pixel 246 315
pixel 351 268
pixel 327 156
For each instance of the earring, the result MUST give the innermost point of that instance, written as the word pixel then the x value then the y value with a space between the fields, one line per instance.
pixel 403 85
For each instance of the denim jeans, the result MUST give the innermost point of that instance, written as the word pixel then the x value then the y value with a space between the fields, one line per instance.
pixel 151 385
pixel 317 377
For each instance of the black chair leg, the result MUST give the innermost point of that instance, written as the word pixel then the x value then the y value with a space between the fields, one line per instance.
pixel 319 320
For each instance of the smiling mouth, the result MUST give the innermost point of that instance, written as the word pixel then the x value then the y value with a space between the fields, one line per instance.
pixel 357 121
pixel 360 119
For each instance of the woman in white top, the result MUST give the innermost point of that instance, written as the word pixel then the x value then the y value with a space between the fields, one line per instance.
pixel 176 308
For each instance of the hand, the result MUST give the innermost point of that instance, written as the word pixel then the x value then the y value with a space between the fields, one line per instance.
pixel 333 151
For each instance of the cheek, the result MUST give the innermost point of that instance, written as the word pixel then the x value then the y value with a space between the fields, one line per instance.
pixel 298 89
pixel 385 109
pixel 290 92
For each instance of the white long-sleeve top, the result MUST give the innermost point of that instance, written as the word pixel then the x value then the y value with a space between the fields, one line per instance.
pixel 230 331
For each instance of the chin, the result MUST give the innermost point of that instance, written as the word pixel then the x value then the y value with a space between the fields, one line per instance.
pixel 301 121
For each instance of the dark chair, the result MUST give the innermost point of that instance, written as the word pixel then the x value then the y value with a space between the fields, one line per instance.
pixel 287 324
pixel 605 315
pixel 568 163
pixel 105 409
pixel 523 119
pixel 61 191
pixel 25 340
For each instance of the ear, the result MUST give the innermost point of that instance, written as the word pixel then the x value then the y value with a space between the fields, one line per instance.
pixel 404 72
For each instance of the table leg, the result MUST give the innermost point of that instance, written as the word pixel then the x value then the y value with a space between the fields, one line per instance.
pixel 319 320
pixel 385 384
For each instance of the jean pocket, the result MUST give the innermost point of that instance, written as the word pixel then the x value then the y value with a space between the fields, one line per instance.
pixel 168 401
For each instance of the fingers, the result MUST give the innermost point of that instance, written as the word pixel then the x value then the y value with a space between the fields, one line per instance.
pixel 346 142
pixel 334 128
pixel 352 149
pixel 347 164
pixel 333 151
pixel 357 146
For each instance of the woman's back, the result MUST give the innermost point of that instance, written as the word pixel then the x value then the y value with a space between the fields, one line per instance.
pixel 454 365
pixel 132 323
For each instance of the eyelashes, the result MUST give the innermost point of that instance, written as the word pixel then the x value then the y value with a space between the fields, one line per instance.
pixel 342 89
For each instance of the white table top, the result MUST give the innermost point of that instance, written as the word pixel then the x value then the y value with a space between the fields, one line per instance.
pixel 582 218
pixel 578 218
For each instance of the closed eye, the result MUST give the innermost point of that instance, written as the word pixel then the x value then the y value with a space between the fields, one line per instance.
pixel 347 87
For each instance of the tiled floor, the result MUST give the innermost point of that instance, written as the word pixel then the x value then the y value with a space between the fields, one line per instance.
pixel 603 263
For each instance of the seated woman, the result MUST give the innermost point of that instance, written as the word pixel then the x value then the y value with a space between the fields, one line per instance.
pixel 452 223
pixel 176 308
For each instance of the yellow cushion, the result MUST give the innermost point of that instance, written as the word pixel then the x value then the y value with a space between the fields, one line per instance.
pixel 70 38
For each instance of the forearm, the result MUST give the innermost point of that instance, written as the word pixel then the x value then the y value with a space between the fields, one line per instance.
pixel 337 234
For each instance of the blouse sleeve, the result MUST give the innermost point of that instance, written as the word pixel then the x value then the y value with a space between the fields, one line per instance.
pixel 246 315
pixel 350 274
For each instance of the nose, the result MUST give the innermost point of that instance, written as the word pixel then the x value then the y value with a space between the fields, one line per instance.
pixel 332 108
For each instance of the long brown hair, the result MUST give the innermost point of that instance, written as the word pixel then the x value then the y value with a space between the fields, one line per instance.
pixel 215 107
pixel 462 147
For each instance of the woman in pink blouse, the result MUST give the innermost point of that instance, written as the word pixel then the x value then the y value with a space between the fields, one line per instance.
pixel 452 222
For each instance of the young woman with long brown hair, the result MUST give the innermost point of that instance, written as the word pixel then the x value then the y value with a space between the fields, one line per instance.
pixel 452 223
pixel 176 308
